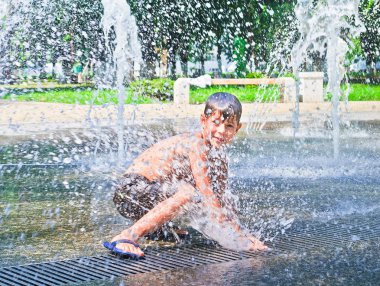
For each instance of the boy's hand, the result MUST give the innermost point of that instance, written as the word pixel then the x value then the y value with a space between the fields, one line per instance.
pixel 254 243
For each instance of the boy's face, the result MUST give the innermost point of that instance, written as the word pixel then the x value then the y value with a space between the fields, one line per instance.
pixel 217 130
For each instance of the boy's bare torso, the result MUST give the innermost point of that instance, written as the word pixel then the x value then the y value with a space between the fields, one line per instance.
pixel 186 157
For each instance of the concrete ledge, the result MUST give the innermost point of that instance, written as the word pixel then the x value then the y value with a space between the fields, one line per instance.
pixel 25 117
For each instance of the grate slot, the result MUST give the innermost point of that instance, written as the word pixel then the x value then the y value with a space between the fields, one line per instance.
pixel 93 263
pixel 76 269
pixel 199 255
pixel 85 268
pixel 67 272
pixel 124 265
pixel 143 264
pixel 138 265
pixel 179 260
pixel 120 270
pixel 105 271
pixel 253 254
pixel 35 276
pixel 183 255
pixel 58 275
pixel 167 260
pixel 153 264
pixel 5 281
pixel 222 252
pixel 20 276
pixel 207 256
pixel 220 256
pixel 228 254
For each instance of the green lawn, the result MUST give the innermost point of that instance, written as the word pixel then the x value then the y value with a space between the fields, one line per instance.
pixel 359 92
pixel 364 92
pixel 248 93
pixel 79 96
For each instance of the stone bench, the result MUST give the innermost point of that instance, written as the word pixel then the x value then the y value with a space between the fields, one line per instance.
pixel 311 87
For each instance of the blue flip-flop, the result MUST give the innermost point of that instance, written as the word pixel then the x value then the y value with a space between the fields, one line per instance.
pixel 112 246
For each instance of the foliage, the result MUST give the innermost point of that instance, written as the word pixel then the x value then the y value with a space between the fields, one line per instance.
pixel 364 77
pixel 258 33
pixel 49 31
pixel 228 75
pixel 190 29
pixel 370 39
pixel 239 57
pixel 355 51
pixel 161 89
pixel 255 75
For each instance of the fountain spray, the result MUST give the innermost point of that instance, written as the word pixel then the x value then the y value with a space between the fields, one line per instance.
pixel 326 28
pixel 125 51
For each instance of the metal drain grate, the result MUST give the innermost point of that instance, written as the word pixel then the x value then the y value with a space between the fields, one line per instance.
pixel 303 236
pixel 341 232
pixel 107 266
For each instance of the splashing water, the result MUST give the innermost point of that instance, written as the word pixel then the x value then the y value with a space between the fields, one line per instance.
pixel 117 18
pixel 326 29
pixel 4 8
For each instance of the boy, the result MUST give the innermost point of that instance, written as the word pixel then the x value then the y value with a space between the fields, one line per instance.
pixel 179 173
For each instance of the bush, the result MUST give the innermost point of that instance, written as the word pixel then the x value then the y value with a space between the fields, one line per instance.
pixel 228 75
pixel 364 77
pixel 289 74
pixel 255 75
pixel 160 88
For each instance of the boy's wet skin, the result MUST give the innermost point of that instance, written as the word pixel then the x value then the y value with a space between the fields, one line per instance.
pixel 186 162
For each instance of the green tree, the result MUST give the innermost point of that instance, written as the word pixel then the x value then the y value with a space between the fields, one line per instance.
pixel 45 31
pixel 370 39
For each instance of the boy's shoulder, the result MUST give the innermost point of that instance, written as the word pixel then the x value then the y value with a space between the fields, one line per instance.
pixel 181 143
pixel 181 139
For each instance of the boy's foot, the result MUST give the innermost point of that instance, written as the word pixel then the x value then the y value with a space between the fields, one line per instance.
pixel 128 247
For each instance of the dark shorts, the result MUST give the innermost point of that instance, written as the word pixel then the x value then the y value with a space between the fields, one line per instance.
pixel 136 195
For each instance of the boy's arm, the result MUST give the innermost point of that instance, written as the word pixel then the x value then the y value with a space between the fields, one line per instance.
pixel 199 166
pixel 203 183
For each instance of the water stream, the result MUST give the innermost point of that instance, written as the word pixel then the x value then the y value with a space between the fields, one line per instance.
pixel 326 30
pixel 126 55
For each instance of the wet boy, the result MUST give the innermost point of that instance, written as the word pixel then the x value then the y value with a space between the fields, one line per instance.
pixel 187 169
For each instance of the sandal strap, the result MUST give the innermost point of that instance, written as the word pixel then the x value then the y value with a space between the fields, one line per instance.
pixel 114 243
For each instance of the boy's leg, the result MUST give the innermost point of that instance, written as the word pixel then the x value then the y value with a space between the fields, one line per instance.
pixel 156 217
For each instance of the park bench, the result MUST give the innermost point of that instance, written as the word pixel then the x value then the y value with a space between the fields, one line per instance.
pixel 311 87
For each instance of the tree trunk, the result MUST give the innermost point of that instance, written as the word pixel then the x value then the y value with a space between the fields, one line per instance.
pixel 202 65
pixel 219 60
pixel 148 70
pixel 164 63
pixel 172 66
pixel 185 68
pixel 66 68
pixel 184 64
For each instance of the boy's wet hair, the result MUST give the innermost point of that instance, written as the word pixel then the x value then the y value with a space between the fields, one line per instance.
pixel 224 102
